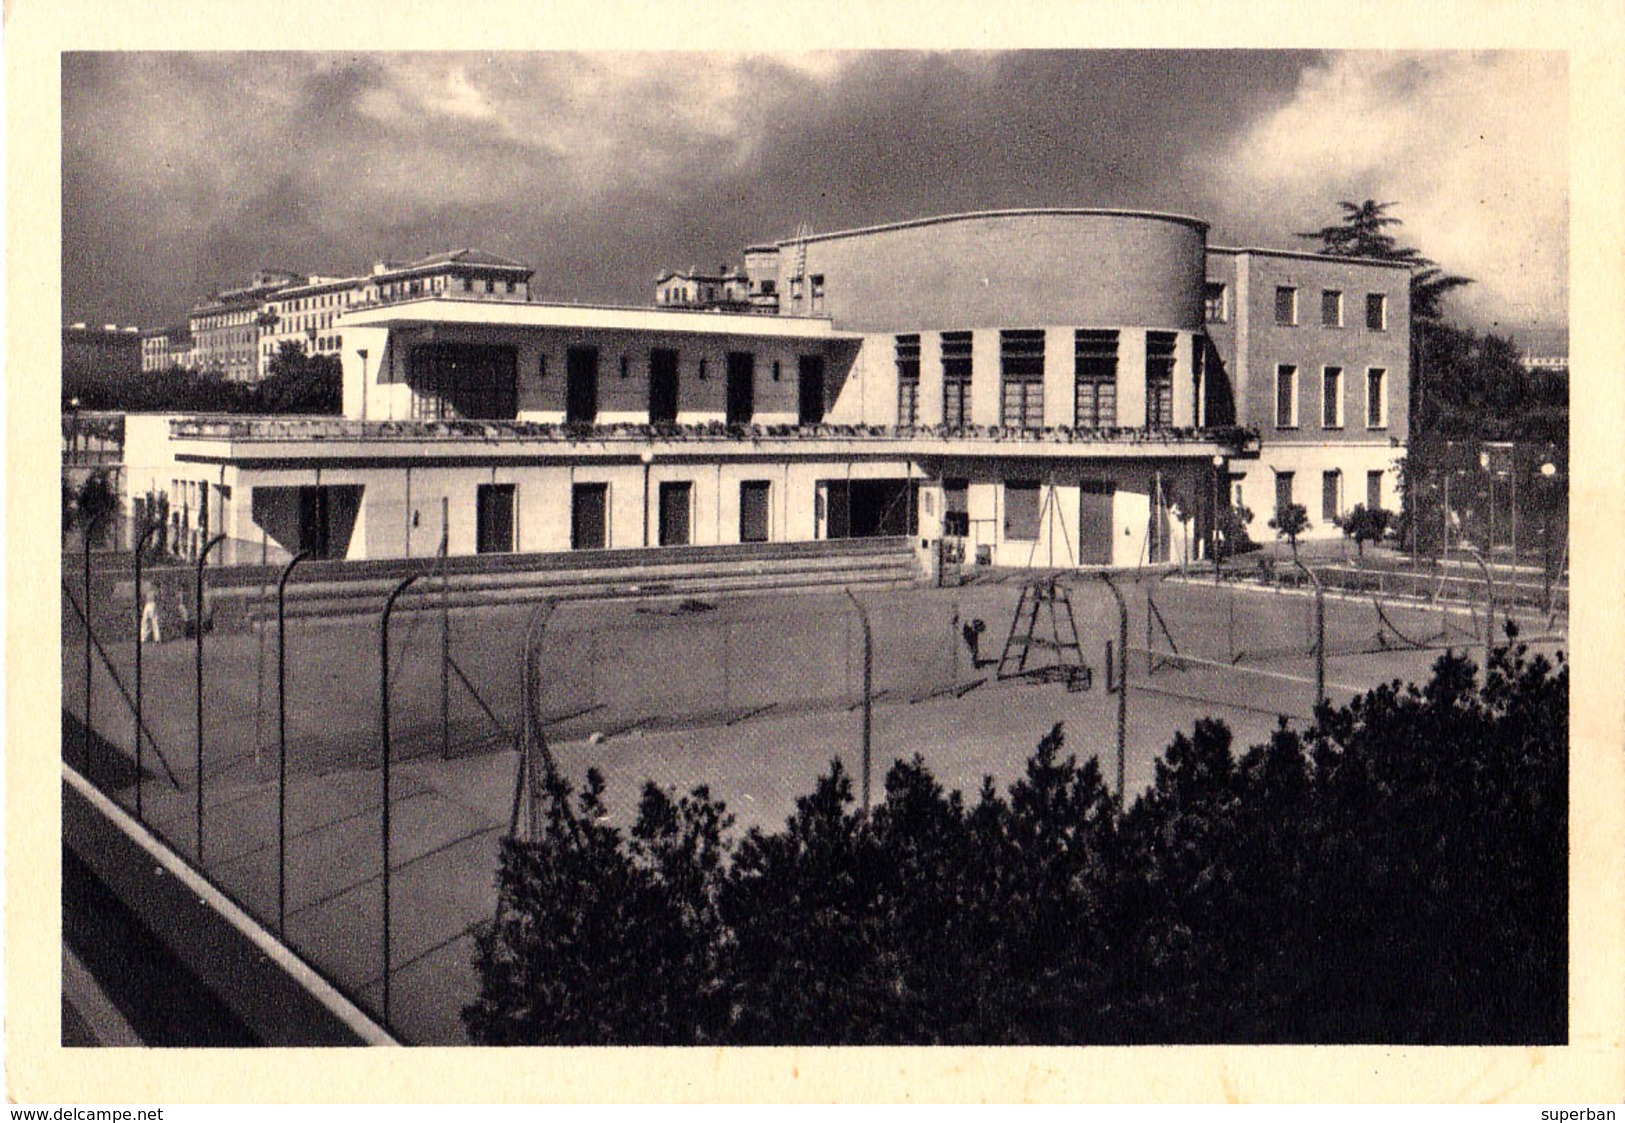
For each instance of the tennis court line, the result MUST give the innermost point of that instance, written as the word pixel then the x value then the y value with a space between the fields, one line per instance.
pixel 1237 667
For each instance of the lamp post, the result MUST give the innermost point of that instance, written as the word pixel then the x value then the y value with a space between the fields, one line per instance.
pixel 1484 463
pixel 648 459
pixel 1547 471
pixel 1213 530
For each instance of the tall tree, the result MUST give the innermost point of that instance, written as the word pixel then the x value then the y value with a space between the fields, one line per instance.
pixel 1364 233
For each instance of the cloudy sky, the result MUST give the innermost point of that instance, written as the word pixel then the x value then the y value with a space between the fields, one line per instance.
pixel 183 173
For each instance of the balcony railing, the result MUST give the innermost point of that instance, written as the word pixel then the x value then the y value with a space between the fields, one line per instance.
pixel 343 429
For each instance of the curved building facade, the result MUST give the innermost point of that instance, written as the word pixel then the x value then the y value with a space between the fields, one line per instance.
pixel 1088 268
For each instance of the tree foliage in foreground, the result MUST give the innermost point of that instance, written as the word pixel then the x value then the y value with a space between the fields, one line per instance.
pixel 1398 874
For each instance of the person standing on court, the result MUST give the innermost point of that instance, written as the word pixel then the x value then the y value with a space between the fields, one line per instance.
pixel 150 629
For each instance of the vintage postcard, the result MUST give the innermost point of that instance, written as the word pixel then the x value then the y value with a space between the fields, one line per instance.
pixel 831 547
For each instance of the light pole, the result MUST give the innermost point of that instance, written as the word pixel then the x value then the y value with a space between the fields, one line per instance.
pixel 1547 471
pixel 1484 463
pixel 648 459
pixel 1213 530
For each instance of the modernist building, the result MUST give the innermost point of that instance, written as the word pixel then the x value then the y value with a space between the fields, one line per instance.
pixel 1055 387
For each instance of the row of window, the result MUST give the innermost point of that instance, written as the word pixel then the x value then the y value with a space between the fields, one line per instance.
pixel 1217 301
pixel 1021 378
pixel 672 517
pixel 477 381
pixel 1332 505
pixel 1331 397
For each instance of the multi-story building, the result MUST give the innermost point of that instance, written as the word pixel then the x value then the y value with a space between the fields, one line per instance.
pixel 307 313
pixel 725 290
pixel 226 328
pixel 1315 354
pixel 162 348
pixel 1061 387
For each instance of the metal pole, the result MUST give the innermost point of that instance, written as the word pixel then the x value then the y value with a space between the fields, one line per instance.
pixel 197 630
pixel 445 631
pixel 1489 597
pixel 1514 477
pixel 140 608
pixel 1448 473
pixel 868 694
pixel 1213 529
pixel 84 531
pixel 383 716
pixel 1320 634
pixel 282 741
pixel 1122 683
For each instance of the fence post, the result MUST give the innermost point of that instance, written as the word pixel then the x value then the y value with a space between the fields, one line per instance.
pixel 140 609
pixel 1122 682
pixel 383 719
pixel 85 531
pixel 868 694
pixel 1489 606
pixel 197 631
pixel 282 741
pixel 1320 633
pixel 445 631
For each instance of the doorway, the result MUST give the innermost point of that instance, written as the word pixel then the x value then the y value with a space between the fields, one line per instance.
pixel 811 390
pixel 741 387
pixel 581 385
pixel 676 501
pixel 1095 525
pixel 662 386
pixel 589 516
pixel 493 519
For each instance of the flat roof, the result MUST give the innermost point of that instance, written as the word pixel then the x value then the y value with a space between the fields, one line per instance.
pixel 1305 255
pixel 1019 212
pixel 529 314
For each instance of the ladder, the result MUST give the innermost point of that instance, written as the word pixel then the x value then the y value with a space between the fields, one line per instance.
pixel 1041 600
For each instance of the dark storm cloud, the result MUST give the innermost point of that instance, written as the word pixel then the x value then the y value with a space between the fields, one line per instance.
pixel 184 173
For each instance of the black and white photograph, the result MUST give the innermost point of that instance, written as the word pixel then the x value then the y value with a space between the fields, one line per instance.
pixel 1042 546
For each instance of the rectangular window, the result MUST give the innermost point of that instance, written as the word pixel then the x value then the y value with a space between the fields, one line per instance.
pixel 1095 367
pixel 908 381
pixel 754 507
pixel 1159 379
pixel 1376 398
pixel 1331 398
pixel 589 516
pixel 1286 305
pixel 956 508
pixel 1373 490
pixel 1021 510
pixel 1331 308
pixel 956 375
pixel 1216 298
pixel 676 501
pixel 1286 397
pixel 1376 311
pixel 1021 369
pixel 1283 491
pixel 493 516
pixel 1330 489
pixel 817 280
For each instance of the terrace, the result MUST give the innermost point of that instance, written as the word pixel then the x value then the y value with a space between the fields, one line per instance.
pixel 256 430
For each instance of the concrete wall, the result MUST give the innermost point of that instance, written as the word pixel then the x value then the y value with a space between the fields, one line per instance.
pixel 1018 269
